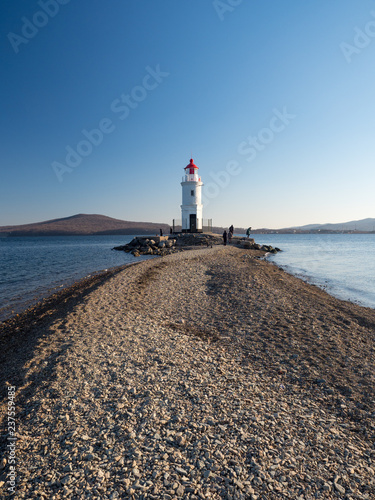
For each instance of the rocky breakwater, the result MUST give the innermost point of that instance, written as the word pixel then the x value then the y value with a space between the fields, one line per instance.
pixel 165 245
pixel 158 245
pixel 250 244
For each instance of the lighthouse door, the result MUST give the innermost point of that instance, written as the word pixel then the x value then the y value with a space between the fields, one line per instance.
pixel 193 223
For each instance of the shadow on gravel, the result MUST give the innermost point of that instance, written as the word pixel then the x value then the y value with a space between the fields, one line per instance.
pixel 147 277
pixel 201 333
pixel 212 288
pixel 20 335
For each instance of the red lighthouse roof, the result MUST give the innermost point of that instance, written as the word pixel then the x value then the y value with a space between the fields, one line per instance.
pixel 191 164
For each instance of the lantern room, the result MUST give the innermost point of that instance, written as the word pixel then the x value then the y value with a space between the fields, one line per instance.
pixel 191 172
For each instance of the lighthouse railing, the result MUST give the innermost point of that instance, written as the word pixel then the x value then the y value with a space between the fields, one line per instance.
pixel 191 178
pixel 207 225
pixel 177 225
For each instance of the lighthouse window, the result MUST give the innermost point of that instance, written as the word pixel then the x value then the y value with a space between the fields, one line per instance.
pixel 192 192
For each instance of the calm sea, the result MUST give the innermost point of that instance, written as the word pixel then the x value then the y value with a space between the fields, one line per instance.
pixel 33 268
pixel 342 264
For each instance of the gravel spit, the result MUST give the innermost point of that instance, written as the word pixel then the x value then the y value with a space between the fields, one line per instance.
pixel 207 374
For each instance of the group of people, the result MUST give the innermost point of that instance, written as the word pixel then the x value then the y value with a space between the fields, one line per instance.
pixel 228 236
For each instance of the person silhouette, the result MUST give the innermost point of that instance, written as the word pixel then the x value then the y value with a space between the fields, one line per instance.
pixel 225 237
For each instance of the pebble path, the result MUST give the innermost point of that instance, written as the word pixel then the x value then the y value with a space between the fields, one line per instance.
pixel 207 374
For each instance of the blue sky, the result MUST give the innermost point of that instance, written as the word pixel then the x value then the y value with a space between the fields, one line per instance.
pixel 274 100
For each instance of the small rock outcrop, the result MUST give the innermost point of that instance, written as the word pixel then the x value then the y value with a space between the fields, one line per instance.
pixel 251 245
pixel 268 248
pixel 158 245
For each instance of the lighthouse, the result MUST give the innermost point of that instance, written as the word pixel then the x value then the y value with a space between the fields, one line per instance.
pixel 191 208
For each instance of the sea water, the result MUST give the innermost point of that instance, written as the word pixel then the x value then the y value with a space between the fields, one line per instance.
pixel 32 268
pixel 342 264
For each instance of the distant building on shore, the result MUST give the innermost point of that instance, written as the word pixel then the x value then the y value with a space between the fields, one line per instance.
pixel 191 208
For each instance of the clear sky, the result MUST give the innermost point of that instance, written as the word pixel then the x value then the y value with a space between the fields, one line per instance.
pixel 103 102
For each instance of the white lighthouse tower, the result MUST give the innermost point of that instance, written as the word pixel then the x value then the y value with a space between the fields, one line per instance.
pixel 191 208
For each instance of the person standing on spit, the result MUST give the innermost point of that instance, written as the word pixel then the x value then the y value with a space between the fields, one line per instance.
pixel 248 232
pixel 230 234
pixel 225 237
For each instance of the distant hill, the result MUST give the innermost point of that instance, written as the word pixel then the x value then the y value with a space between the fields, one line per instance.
pixel 83 224
pixel 361 226
pixel 354 225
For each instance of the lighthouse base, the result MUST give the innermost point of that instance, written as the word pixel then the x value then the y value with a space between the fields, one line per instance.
pixel 201 226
